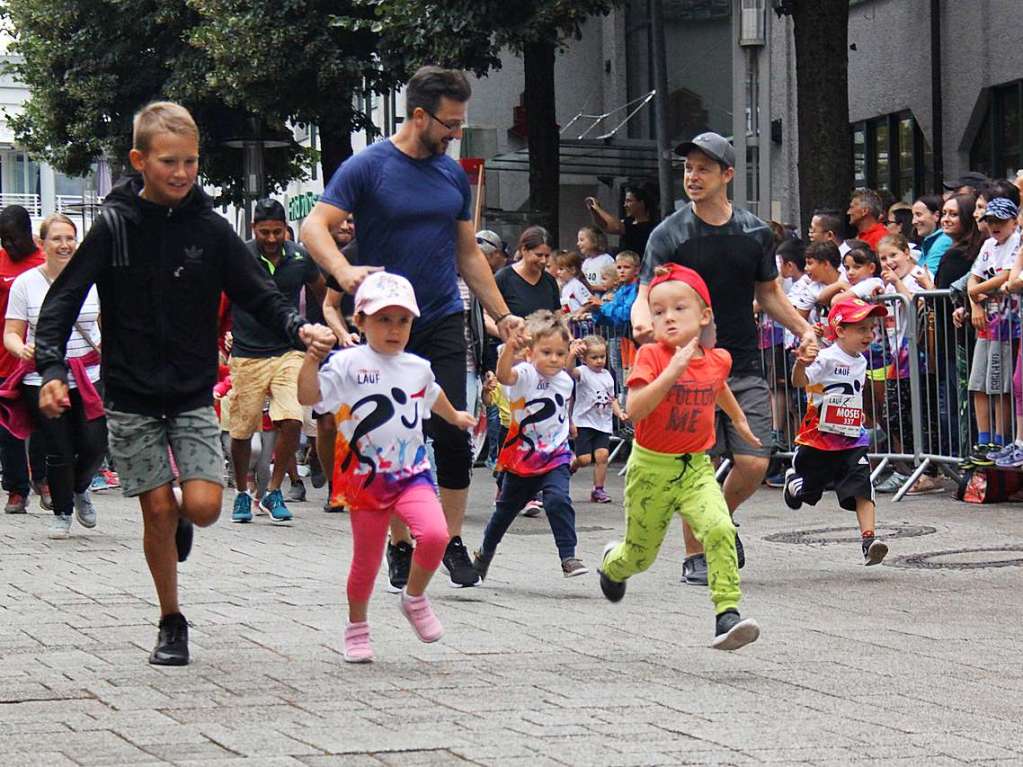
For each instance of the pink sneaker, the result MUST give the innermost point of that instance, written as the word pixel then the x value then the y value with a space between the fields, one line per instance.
pixel 357 646
pixel 420 615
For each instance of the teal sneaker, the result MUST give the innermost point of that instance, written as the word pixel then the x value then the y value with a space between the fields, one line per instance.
pixel 273 504
pixel 242 508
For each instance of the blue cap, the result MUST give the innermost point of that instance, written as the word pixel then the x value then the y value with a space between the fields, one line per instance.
pixel 1001 208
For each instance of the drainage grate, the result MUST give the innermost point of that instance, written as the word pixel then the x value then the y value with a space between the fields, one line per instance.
pixel 825 535
pixel 961 559
pixel 545 530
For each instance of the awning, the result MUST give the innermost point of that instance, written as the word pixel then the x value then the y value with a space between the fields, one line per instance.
pixel 611 157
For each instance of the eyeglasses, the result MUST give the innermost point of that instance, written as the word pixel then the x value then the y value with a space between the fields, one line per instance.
pixel 451 127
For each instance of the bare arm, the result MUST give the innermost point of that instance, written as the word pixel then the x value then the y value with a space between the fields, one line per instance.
pixel 446 410
pixel 309 380
pixel 506 364
pixel 317 289
pixel 827 295
pixel 642 330
pixel 603 219
pixel 475 270
pixel 644 398
pixel 772 299
pixel 14 334
pixel 799 378
pixel 318 241
pixel 332 316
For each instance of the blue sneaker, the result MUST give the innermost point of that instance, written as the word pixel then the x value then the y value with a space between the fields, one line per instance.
pixel 99 482
pixel 273 503
pixel 1012 459
pixel 242 508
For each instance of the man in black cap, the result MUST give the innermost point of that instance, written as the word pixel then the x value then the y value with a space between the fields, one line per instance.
pixel 265 363
pixel 733 251
pixel 970 182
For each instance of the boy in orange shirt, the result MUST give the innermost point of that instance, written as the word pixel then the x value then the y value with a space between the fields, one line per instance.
pixel 674 387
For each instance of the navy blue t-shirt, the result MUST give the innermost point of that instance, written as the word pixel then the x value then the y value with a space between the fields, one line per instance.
pixel 407 212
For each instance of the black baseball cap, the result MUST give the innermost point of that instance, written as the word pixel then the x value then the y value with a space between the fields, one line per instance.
pixel 269 210
pixel 714 145
pixel 970 178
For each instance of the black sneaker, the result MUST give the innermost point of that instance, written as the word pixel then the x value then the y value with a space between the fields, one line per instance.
pixel 740 552
pixel 732 632
pixel 481 563
pixel 979 456
pixel 793 486
pixel 613 590
pixel 399 562
pixel 694 570
pixel 456 562
pixel 172 642
pixel 183 540
pixel 331 508
pixel 316 476
pixel 874 551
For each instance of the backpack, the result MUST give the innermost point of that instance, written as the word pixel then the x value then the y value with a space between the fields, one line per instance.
pixel 989 485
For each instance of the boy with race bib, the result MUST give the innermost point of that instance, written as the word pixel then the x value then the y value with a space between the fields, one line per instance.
pixel 832 443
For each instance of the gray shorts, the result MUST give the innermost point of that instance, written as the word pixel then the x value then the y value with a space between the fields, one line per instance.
pixel 991 371
pixel 755 400
pixel 139 446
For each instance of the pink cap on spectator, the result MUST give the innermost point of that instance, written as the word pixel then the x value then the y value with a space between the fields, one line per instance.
pixel 382 289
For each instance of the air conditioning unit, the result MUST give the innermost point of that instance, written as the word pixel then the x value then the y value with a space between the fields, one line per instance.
pixel 752 23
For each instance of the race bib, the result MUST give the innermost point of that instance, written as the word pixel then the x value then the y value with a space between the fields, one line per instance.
pixel 841 414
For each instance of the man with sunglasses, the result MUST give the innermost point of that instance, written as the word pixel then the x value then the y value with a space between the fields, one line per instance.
pixel 413 205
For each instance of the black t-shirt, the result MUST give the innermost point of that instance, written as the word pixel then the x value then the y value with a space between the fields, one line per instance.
pixel 522 298
pixel 731 259
pixel 636 235
pixel 251 337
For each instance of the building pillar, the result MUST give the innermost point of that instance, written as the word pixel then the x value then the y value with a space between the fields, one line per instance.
pixel 47 189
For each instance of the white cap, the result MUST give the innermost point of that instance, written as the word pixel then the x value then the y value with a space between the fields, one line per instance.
pixel 383 289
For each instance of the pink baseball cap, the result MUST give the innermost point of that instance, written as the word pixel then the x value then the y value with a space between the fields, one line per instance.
pixel 382 289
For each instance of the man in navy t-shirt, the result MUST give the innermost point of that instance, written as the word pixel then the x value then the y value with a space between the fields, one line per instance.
pixel 412 203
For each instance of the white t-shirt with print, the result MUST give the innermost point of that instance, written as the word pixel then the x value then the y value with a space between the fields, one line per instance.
pixel 574 294
pixel 379 402
pixel 537 440
pixel 994 258
pixel 27 294
pixel 593 269
pixel 594 393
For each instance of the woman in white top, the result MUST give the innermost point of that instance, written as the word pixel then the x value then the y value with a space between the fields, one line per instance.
pixel 75 445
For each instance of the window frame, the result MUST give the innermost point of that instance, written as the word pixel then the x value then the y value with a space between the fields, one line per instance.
pixel 893 182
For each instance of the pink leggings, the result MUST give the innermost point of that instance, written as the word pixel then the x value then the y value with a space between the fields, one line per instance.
pixel 420 510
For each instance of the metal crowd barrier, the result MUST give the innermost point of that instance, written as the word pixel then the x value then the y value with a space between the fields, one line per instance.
pixel 919 410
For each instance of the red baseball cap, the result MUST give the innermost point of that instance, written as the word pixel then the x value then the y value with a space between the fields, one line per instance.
pixel 686 275
pixel 851 310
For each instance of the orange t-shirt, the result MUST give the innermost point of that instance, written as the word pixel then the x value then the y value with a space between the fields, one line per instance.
pixel 683 422
pixel 873 236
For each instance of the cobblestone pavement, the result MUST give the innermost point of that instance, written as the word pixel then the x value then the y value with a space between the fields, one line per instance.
pixel 911 663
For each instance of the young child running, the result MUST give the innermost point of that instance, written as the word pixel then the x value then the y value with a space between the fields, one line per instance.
pixel 160 256
pixel 832 443
pixel 595 403
pixel 535 456
pixel 380 395
pixel 674 387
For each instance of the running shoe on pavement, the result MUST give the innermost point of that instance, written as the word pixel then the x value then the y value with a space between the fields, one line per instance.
pixel 60 526
pixel 459 566
pixel 16 504
pixel 85 512
pixel 172 642
pixel 273 504
pixel 599 496
pixel 420 614
pixel 732 632
pixel 399 562
pixel 357 645
pixel 242 511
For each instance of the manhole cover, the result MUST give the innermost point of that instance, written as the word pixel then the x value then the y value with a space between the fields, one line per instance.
pixel 848 534
pixel 545 530
pixel 963 559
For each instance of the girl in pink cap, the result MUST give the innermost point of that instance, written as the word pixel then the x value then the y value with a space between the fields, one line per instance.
pixel 380 395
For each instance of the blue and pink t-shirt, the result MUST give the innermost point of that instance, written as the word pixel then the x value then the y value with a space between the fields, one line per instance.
pixel 537 440
pixel 380 402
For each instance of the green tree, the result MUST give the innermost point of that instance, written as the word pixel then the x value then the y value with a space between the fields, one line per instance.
pixel 469 34
pixel 91 64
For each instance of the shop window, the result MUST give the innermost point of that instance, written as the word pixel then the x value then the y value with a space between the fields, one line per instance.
pixel 997 149
pixel 890 155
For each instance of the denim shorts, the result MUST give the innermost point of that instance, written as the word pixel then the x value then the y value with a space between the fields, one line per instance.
pixel 141 446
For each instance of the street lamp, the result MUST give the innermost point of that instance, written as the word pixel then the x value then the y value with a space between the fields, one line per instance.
pixel 254 182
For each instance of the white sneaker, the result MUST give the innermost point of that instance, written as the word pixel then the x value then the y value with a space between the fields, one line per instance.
pixel 60 527
pixel 85 512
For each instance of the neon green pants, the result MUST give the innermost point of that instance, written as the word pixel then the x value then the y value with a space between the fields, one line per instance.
pixel 657 487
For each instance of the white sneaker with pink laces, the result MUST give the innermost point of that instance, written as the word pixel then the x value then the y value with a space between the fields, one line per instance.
pixel 357 646
pixel 420 615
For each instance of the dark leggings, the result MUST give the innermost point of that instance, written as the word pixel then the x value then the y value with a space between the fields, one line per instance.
pixel 74 448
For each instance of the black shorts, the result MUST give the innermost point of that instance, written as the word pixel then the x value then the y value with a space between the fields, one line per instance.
pixel 588 441
pixel 847 470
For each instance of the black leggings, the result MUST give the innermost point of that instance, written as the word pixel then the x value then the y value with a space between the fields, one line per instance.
pixel 442 343
pixel 74 448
